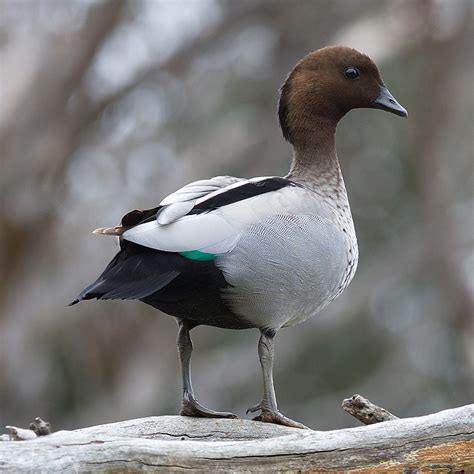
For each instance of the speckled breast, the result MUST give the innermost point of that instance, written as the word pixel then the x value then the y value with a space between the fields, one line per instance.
pixel 287 268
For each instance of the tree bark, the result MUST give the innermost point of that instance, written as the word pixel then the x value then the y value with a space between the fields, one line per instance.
pixel 441 442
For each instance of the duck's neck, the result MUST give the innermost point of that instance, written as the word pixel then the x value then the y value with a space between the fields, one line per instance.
pixel 315 163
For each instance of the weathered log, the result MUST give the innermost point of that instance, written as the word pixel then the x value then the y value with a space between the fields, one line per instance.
pixel 442 441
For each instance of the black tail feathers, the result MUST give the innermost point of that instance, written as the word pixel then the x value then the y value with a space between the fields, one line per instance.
pixel 134 273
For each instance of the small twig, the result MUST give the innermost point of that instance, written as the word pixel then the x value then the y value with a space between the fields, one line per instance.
pixel 39 427
pixel 365 411
pixel 19 434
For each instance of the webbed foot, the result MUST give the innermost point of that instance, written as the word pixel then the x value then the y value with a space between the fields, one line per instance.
pixel 191 407
pixel 274 416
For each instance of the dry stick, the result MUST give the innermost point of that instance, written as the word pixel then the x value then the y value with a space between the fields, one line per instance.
pixel 366 411
pixel 37 428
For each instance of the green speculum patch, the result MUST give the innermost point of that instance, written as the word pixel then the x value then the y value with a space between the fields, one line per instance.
pixel 198 256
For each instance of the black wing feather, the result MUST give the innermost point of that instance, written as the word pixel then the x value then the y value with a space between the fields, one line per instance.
pixel 138 289
pixel 169 282
pixel 139 216
pixel 134 273
pixel 240 193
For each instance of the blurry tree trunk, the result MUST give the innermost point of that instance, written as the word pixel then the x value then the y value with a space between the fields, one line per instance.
pixel 436 199
pixel 444 440
pixel 43 135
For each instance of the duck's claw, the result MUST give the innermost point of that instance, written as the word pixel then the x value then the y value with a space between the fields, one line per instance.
pixel 253 409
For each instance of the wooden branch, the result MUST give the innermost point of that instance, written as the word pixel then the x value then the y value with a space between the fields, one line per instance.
pixel 366 411
pixel 443 441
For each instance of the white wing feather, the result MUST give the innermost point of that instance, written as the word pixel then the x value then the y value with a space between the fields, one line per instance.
pixel 172 212
pixel 198 189
pixel 179 203
pixel 209 233
pixel 214 232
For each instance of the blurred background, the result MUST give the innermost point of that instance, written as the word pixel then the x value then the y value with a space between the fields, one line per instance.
pixel 109 105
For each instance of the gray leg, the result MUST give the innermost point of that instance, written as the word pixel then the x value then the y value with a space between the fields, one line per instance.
pixel 190 406
pixel 268 405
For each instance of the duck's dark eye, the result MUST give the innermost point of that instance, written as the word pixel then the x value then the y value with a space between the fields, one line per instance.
pixel 352 73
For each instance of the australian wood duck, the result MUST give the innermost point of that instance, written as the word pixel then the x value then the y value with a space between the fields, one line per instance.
pixel 265 252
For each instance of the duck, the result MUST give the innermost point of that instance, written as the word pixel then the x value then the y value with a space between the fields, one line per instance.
pixel 262 253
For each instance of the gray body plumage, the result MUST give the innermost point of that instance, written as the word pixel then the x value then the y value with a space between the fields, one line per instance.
pixel 288 267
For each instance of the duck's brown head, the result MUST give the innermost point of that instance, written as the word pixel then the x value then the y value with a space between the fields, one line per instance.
pixel 325 85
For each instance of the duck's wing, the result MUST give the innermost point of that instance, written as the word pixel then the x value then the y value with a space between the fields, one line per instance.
pixel 173 206
pixel 210 225
pixel 168 265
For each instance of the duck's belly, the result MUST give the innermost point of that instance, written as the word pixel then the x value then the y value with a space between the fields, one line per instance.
pixel 286 269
